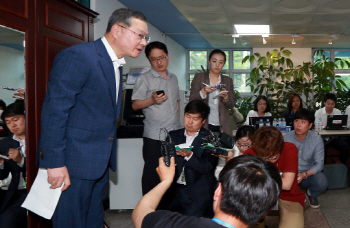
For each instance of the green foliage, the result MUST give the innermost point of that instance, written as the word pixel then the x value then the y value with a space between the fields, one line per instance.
pixel 244 105
pixel 269 77
pixel 276 78
pixel 318 79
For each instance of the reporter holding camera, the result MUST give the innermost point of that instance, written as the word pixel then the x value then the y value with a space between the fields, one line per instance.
pixel 193 187
pixel 233 205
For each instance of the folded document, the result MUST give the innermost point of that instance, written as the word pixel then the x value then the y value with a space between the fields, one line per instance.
pixel 42 200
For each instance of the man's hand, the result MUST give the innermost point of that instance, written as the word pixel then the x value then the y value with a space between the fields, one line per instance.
pixel 166 173
pixel 1 160
pixel 15 155
pixel 158 99
pixel 184 153
pixel 300 177
pixel 58 176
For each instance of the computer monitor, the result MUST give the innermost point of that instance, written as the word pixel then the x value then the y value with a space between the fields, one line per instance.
pixel 336 122
pixel 256 120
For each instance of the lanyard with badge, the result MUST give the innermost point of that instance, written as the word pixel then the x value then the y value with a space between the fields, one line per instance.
pixel 225 224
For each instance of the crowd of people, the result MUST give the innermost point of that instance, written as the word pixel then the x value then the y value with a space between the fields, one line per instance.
pixel 78 142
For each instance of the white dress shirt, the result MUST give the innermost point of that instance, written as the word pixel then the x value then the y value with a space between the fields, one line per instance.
pixel 116 64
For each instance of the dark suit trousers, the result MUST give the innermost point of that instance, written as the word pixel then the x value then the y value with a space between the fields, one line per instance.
pixel 14 216
pixel 81 206
pixel 151 154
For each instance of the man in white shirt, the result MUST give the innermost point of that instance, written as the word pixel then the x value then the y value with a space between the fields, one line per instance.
pixel 13 169
pixel 338 143
pixel 347 112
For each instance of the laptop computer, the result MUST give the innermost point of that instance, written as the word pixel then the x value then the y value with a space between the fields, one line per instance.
pixel 255 120
pixel 336 122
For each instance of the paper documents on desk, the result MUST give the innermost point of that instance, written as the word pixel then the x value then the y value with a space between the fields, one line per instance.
pixel 42 200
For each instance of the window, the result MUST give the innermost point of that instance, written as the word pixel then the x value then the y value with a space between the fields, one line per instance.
pixel 233 67
pixel 342 54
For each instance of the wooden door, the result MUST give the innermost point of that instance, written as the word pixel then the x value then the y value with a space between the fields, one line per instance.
pixel 50 26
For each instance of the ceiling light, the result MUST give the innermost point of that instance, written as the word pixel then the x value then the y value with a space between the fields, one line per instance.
pixel 330 39
pixel 293 41
pixel 263 36
pixel 252 29
pixel 264 41
pixel 234 38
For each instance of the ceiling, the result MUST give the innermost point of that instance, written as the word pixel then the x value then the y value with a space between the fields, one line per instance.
pixel 197 24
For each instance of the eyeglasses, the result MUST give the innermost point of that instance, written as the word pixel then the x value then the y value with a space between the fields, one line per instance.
pixel 146 37
pixel 243 145
pixel 272 158
pixel 162 58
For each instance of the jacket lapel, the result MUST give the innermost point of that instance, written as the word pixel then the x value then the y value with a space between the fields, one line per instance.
pixel 108 69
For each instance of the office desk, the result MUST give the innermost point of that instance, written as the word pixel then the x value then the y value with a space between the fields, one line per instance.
pixel 325 133
pixel 125 184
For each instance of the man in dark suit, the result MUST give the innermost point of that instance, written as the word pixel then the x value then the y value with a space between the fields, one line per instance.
pixel 79 118
pixel 194 182
pixel 13 169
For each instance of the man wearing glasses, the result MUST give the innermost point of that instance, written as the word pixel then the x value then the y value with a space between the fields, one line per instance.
pixel 156 92
pixel 79 118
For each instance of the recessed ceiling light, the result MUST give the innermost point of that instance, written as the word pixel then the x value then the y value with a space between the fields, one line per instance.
pixel 253 29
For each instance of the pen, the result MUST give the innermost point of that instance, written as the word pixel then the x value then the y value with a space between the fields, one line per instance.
pixel 204 84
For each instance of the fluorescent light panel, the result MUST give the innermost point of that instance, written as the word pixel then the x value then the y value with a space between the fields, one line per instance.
pixel 253 29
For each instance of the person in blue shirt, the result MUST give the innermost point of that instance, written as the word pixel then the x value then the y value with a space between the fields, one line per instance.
pixel 310 155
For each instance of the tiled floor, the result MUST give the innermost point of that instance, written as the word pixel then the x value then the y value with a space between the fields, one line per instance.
pixel 335 210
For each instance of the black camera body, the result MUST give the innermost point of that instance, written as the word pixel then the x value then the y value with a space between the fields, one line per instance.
pixel 167 148
pixel 219 140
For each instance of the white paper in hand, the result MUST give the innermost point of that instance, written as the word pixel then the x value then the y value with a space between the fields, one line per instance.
pixel 42 200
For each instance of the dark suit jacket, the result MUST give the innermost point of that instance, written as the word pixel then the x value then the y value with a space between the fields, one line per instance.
pixel 199 170
pixel 225 119
pixel 10 167
pixel 79 114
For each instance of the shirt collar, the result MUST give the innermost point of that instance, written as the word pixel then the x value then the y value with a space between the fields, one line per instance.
pixel 308 133
pixel 195 135
pixel 324 111
pixel 158 75
pixel 15 137
pixel 111 53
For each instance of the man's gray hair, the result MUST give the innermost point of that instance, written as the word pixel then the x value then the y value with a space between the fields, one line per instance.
pixel 123 16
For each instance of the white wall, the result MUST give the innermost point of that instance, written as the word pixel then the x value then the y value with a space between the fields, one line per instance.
pixel 11 73
pixel 177 53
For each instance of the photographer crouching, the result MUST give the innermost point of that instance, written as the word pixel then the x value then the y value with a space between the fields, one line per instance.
pixel 248 187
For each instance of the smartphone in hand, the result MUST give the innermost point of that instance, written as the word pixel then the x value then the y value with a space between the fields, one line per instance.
pixel 160 92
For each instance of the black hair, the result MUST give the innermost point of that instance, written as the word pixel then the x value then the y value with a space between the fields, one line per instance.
pixel 217 51
pixel 261 97
pixel 245 131
pixel 250 187
pixel 198 106
pixel 123 16
pixel 16 108
pixel 2 104
pixel 330 96
pixel 304 114
pixel 290 101
pixel 155 44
